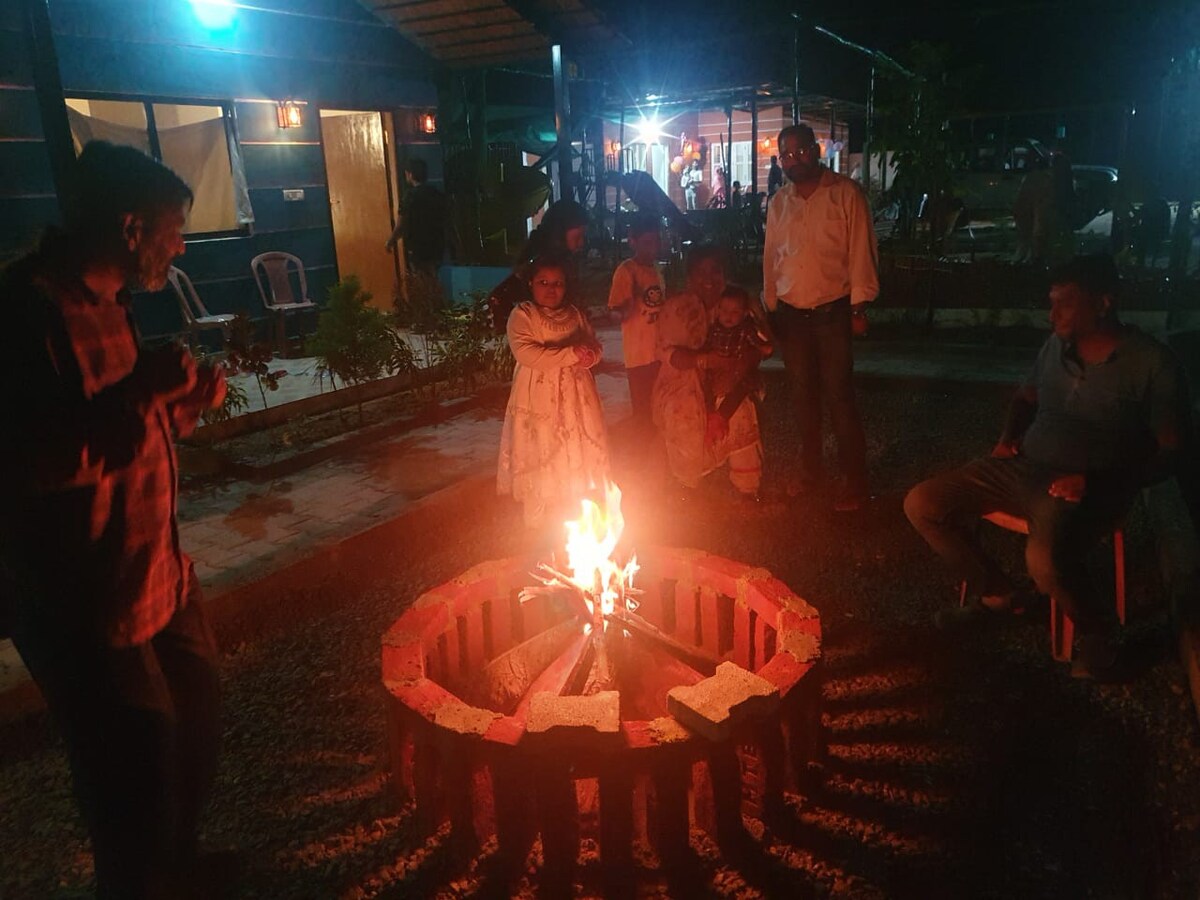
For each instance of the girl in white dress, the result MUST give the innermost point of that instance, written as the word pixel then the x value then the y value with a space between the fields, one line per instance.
pixel 554 449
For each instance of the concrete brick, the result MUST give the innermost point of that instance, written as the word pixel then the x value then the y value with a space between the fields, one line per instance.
pixel 715 706
pixel 599 713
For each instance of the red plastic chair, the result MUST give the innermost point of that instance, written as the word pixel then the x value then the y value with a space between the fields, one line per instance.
pixel 1062 629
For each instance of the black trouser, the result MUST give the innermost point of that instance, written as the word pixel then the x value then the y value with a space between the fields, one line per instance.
pixel 946 509
pixel 641 391
pixel 820 364
pixel 141 726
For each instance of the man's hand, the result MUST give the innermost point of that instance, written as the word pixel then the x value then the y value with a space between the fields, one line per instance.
pixel 166 375
pixel 858 320
pixel 715 428
pixel 390 245
pixel 1070 488
pixel 1006 450
pixel 210 387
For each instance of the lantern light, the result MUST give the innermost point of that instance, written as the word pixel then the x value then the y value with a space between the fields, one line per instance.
pixel 427 122
pixel 288 114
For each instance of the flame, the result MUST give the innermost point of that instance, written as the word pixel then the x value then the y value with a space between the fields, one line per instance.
pixel 591 541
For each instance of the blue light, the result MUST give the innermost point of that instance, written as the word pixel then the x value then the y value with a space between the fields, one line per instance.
pixel 214 14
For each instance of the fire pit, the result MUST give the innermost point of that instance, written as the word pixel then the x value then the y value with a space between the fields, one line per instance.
pixel 516 711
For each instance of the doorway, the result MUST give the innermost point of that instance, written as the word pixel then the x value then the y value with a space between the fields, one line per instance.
pixel 360 200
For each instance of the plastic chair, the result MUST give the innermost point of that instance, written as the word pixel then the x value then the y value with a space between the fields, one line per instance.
pixel 196 317
pixel 1062 629
pixel 277 293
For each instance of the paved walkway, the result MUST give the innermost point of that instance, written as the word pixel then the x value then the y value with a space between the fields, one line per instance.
pixel 239 532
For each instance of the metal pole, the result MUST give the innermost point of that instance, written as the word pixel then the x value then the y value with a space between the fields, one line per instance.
pixel 754 146
pixel 729 156
pixel 562 114
pixel 870 137
pixel 796 74
pixel 47 82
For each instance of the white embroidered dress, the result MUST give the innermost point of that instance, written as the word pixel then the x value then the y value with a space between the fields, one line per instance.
pixel 554 446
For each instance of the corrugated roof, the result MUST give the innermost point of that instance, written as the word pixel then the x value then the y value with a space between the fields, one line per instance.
pixel 492 32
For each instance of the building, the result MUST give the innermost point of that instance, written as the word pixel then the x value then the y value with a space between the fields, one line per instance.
pixel 290 119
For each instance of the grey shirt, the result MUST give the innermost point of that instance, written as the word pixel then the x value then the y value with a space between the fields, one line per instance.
pixel 1103 417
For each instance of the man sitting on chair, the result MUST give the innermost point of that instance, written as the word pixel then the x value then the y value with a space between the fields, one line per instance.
pixel 1103 414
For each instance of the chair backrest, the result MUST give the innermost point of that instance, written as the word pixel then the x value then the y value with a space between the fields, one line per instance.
pixel 190 306
pixel 278 289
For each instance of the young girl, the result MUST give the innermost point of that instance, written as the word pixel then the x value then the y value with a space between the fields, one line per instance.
pixel 553 449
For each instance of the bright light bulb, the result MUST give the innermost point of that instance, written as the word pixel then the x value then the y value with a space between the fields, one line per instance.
pixel 649 130
pixel 214 14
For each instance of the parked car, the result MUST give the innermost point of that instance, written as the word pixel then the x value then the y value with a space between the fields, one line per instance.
pixel 992 179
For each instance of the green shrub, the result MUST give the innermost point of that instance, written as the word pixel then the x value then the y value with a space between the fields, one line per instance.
pixel 354 342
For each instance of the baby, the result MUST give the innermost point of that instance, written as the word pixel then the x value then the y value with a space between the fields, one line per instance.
pixel 736 345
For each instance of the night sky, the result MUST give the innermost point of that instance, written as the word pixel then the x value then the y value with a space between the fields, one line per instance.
pixel 1021 55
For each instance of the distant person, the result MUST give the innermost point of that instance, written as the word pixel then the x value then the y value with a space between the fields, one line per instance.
pixel 553 447
pixel 819 273
pixel 422 222
pixel 637 294
pixel 1044 210
pixel 690 181
pixel 1103 414
pixel 561 233
pixel 774 177
pixel 106 607
pixel 720 189
pixel 1152 229
pixel 735 197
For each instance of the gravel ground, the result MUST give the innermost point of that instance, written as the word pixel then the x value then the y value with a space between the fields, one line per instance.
pixel 962 765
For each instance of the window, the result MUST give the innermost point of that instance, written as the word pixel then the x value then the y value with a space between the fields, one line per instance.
pixel 193 139
pixel 741 164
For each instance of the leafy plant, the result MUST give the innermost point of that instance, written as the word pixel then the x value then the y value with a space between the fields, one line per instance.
pixel 236 402
pixel 354 342
pixel 422 309
pixel 915 108
pixel 248 356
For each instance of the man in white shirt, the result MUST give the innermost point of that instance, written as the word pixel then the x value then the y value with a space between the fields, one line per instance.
pixel 819 272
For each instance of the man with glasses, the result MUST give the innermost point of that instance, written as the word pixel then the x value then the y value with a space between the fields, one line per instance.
pixel 819 273
pixel 1104 413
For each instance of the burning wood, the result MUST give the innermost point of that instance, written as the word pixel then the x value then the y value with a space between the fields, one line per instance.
pixel 594 585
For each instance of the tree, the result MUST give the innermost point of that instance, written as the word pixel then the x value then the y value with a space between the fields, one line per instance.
pixel 914 111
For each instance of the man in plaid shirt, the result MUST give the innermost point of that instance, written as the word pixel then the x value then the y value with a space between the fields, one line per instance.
pixel 104 605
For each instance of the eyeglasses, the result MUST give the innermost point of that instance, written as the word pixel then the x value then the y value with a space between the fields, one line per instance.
pixel 543 283
pixel 796 154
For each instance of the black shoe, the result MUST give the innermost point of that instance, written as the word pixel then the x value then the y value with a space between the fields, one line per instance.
pixel 959 616
pixel 1095 658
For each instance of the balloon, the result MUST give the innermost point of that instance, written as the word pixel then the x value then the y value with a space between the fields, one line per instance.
pixel 677 165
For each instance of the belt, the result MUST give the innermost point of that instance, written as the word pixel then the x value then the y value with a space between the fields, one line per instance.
pixel 825 309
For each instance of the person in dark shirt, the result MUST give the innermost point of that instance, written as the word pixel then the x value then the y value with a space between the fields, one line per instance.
pixel 562 233
pixel 774 177
pixel 105 605
pixel 422 222
pixel 1104 413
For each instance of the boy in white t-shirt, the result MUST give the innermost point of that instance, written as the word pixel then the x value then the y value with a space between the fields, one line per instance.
pixel 637 293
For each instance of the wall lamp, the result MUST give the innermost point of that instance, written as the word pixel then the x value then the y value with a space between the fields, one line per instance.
pixel 427 123
pixel 288 114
